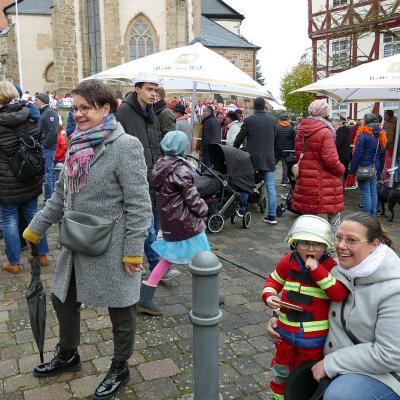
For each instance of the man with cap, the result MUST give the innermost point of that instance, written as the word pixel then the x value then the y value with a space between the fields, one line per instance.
pixel 48 125
pixel 164 114
pixel 182 124
pixel 284 140
pixel 137 116
pixel 260 131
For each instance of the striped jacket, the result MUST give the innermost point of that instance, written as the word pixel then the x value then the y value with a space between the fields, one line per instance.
pixel 312 290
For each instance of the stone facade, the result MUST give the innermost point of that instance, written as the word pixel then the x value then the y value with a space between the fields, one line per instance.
pixel 9 56
pixel 64 45
pixel 112 45
pixel 177 23
pixel 244 59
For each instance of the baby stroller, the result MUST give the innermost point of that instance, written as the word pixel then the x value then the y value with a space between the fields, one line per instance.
pixel 231 173
pixel 290 159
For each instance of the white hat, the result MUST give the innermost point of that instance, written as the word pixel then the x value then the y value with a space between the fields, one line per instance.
pixel 147 77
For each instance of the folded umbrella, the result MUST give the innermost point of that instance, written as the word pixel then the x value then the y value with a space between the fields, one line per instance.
pixel 36 298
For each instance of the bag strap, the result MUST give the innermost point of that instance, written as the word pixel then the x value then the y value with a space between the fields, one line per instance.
pixel 376 151
pixel 353 338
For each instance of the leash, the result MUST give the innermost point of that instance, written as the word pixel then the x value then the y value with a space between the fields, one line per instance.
pixel 240 266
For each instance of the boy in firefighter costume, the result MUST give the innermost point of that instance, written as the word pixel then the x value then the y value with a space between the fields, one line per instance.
pixel 304 279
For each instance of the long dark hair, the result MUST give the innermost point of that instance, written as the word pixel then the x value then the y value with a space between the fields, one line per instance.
pixel 373 227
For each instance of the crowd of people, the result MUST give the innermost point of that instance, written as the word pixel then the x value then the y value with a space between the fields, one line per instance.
pixel 129 152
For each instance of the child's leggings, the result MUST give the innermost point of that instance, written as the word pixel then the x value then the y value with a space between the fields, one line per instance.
pixel 286 359
pixel 158 272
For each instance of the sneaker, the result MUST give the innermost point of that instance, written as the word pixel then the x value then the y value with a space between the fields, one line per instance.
pixel 284 196
pixel 11 268
pixel 270 220
pixel 239 213
pixel 170 274
pixel 283 184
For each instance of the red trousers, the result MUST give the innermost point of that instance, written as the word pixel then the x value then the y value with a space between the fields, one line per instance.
pixel 286 359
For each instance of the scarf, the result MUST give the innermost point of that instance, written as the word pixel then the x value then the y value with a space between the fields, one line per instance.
pixel 81 152
pixel 374 131
pixel 326 122
pixel 368 266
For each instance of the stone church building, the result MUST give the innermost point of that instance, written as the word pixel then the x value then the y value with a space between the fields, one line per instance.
pixel 63 41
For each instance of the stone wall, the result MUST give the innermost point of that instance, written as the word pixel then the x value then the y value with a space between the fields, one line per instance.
pixel 242 58
pixel 177 23
pixel 11 65
pixel 112 35
pixel 64 45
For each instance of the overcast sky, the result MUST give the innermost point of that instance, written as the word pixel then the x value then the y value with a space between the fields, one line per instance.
pixel 279 27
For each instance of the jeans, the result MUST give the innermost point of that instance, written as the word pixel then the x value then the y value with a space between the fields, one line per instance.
pixel 11 230
pixel 151 255
pixel 369 195
pixel 269 181
pixel 48 155
pixel 358 387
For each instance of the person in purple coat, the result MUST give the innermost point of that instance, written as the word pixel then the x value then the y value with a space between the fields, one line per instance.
pixel 181 211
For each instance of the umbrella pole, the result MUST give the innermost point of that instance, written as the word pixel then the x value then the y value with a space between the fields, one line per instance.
pixel 194 100
pixel 395 146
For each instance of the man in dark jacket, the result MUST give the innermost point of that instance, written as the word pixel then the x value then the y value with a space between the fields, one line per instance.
pixel 164 114
pixel 284 140
pixel 137 117
pixel 343 145
pixel 260 131
pixel 211 133
pixel 48 125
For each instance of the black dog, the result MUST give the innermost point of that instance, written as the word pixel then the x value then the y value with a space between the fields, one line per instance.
pixel 383 195
pixel 393 199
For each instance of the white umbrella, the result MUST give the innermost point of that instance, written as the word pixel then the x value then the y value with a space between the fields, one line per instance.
pixel 184 68
pixel 375 81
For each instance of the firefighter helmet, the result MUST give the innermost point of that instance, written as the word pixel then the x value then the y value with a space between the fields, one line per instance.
pixel 313 228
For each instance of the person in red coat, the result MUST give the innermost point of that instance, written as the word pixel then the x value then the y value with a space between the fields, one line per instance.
pixel 319 188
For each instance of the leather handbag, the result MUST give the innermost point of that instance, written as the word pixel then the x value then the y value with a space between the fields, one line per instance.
pixel 368 172
pixel 296 167
pixel 86 234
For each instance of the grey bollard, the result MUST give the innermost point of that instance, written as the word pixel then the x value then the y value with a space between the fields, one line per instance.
pixel 205 317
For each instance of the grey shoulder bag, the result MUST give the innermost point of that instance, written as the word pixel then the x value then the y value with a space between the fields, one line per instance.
pixel 354 339
pixel 368 172
pixel 84 233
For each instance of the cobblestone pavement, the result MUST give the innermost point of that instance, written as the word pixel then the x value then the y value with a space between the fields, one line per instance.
pixel 161 366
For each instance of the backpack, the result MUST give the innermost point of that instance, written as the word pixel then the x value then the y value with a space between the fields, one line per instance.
pixel 27 162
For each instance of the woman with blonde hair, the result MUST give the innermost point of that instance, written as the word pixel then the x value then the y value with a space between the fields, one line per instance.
pixel 15 122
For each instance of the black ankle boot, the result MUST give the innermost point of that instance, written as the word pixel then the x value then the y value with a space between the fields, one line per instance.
pixel 63 360
pixel 117 376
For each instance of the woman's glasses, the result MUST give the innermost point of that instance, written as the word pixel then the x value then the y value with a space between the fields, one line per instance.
pixel 83 109
pixel 350 242
pixel 305 245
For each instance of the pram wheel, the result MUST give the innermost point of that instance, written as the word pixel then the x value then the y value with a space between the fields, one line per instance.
pixel 215 223
pixel 246 220
pixel 280 210
pixel 263 200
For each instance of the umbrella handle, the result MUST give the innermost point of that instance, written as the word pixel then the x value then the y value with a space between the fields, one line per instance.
pixel 34 250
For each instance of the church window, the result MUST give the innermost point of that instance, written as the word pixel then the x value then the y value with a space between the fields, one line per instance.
pixel 94 36
pixel 49 73
pixel 141 42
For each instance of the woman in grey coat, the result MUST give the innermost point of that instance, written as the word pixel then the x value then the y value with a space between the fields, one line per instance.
pixel 105 175
pixel 367 366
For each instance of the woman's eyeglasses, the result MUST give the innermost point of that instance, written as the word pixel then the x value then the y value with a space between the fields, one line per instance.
pixel 350 242
pixel 83 109
pixel 305 245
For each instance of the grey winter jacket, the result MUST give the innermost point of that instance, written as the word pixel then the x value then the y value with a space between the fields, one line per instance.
pixel 116 182
pixel 372 314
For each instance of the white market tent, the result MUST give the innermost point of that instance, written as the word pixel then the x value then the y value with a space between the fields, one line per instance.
pixel 375 81
pixel 194 68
